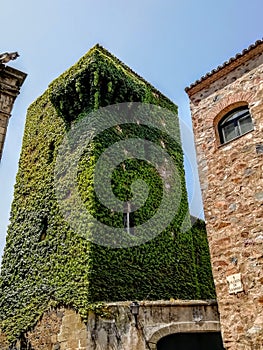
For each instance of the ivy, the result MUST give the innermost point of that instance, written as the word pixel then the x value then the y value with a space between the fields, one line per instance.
pixel 45 262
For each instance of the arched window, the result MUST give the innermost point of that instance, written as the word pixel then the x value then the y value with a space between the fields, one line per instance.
pixel 235 123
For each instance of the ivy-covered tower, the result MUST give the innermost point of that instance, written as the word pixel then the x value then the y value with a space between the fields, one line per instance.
pixel 51 260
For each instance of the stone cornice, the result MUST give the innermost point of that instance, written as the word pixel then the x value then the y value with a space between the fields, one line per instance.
pixel 10 74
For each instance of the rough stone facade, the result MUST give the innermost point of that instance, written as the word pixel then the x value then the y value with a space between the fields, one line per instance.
pixel 112 326
pixel 10 82
pixel 231 177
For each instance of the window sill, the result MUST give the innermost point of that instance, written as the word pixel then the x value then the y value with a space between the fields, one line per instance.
pixel 236 138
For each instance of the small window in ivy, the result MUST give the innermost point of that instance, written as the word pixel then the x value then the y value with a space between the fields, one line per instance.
pixel 43 233
pixel 128 219
pixel 234 124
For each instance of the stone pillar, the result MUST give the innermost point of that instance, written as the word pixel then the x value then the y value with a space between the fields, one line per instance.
pixel 10 82
pixel 232 188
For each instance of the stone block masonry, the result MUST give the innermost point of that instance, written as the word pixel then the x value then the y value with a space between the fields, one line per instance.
pixel 10 82
pixel 232 188
pixel 111 326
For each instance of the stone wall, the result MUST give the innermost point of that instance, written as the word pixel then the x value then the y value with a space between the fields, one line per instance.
pixel 10 82
pixel 232 188
pixel 3 341
pixel 112 326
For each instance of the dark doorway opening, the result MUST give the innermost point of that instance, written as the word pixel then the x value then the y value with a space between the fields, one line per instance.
pixel 191 341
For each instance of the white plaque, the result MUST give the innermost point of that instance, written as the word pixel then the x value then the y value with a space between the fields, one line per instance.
pixel 235 283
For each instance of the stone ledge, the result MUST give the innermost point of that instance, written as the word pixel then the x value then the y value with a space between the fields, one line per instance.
pixel 166 303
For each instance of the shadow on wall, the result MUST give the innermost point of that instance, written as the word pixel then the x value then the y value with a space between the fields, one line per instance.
pixel 191 341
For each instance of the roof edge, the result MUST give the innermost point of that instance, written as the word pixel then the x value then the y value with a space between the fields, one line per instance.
pixel 224 69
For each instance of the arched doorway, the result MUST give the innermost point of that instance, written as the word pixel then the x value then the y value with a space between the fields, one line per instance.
pixel 191 341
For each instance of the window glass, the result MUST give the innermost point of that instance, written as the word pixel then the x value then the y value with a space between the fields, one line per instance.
pixel 245 124
pixel 229 132
pixel 234 124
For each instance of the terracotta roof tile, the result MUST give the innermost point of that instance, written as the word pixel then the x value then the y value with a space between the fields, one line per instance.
pixel 225 64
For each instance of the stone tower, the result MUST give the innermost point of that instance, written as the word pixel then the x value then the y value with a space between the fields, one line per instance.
pixel 10 82
pixel 48 262
pixel 227 115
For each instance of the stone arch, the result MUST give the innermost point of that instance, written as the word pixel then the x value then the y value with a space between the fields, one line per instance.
pixel 182 327
pixel 231 99
pixel 222 113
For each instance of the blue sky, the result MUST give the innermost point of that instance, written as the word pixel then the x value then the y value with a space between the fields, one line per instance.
pixel 170 43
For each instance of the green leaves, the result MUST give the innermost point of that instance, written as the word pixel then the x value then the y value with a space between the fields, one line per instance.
pixel 46 263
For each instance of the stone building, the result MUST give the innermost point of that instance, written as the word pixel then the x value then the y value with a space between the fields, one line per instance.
pixel 227 115
pixel 11 80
